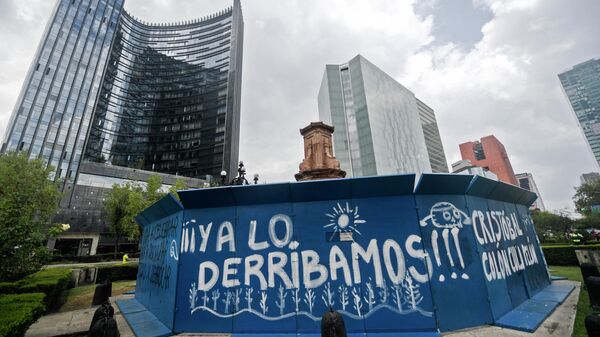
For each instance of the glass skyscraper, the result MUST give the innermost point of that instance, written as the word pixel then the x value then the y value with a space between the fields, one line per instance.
pixel 581 85
pixel 380 126
pixel 109 88
pixel 110 98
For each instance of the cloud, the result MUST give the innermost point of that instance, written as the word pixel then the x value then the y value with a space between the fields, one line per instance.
pixel 506 84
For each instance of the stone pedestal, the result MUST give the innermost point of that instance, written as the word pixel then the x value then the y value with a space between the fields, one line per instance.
pixel 319 162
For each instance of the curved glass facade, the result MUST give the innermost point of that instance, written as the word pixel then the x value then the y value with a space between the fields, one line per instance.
pixel 166 102
pixel 107 87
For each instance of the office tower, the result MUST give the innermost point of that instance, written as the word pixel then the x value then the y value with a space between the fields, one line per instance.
pixel 378 122
pixel 433 141
pixel 526 182
pixel 490 154
pixel 110 98
pixel 581 85
pixel 587 178
pixel 107 87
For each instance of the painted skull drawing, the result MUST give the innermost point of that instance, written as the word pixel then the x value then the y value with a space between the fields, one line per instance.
pixel 450 220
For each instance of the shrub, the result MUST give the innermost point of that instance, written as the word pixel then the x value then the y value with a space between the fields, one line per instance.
pixel 18 312
pixel 117 272
pixel 90 258
pixel 51 282
pixel 564 255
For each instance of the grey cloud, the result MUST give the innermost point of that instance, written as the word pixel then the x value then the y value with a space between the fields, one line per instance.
pixel 505 85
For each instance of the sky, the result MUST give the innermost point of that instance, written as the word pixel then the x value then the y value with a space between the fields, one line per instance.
pixel 484 66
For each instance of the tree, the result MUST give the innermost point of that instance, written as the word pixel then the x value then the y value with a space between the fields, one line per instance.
pixel 123 203
pixel 153 192
pixel 180 184
pixel 546 223
pixel 586 196
pixel 28 201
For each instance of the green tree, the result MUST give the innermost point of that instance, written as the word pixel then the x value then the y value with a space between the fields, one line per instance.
pixel 586 196
pixel 180 184
pixel 152 193
pixel 121 203
pixel 546 222
pixel 124 202
pixel 28 201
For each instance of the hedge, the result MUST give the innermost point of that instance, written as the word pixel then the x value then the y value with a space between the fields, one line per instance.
pixel 52 282
pixel 117 272
pixel 18 312
pixel 90 258
pixel 564 255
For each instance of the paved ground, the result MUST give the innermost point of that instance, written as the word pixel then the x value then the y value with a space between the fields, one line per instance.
pixel 560 323
pixel 75 322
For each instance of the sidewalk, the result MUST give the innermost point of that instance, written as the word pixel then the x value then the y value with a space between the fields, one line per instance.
pixel 75 322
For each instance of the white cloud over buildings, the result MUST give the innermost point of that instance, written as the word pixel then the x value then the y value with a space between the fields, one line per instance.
pixel 505 84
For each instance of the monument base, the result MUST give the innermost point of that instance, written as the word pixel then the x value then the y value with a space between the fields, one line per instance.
pixel 326 173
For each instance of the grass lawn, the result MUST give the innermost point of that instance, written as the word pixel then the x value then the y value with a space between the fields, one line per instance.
pixel 81 297
pixel 583 305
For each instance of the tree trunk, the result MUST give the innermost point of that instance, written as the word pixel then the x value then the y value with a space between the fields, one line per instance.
pixel 116 247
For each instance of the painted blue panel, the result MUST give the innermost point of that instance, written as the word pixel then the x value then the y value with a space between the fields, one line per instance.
pixel 559 288
pixel 266 296
pixel 157 273
pixel 319 235
pixel 201 303
pixel 207 197
pixel 537 276
pixel 404 334
pixel 271 259
pixel 261 194
pixel 405 298
pixel 166 206
pixel 317 190
pixel 527 198
pixel 527 321
pixel 130 305
pixel 145 324
pixel 506 192
pixel 366 187
pixel 481 187
pixel 497 287
pixel 539 306
pixel 502 244
pixel 441 183
pixel 457 280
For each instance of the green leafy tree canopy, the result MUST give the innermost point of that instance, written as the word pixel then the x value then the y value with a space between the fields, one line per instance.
pixel 28 201
pixel 586 196
pixel 124 202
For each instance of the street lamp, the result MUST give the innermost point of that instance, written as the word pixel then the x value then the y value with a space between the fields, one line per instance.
pixel 223 176
pixel 241 177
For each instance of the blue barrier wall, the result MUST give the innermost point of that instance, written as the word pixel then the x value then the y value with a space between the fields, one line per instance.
pixel 455 252
pixel 157 271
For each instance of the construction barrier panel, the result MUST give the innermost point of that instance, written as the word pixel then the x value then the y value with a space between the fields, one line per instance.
pixel 456 251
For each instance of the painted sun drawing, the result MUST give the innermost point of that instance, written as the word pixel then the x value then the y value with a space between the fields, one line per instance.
pixel 344 219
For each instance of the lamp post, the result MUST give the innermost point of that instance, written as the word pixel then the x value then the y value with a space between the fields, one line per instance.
pixel 241 177
pixel 223 177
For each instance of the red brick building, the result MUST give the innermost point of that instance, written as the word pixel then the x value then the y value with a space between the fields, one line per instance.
pixel 489 153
